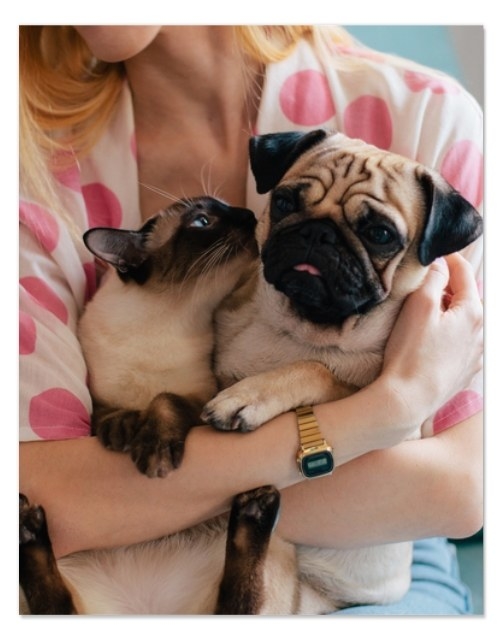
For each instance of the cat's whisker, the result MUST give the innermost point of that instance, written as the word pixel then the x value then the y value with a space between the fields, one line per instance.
pixel 159 191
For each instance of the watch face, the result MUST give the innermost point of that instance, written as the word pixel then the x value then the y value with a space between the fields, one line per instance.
pixel 317 464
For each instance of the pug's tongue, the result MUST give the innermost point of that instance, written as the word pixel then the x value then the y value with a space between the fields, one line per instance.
pixel 309 268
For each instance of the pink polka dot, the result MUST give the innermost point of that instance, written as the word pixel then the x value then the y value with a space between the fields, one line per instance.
pixel 417 81
pixel 103 206
pixel 67 171
pixel 58 414
pixel 305 98
pixel 27 334
pixel 462 406
pixel 90 280
pixel 41 223
pixel 45 297
pixel 356 52
pixel 463 168
pixel 368 118
pixel 70 178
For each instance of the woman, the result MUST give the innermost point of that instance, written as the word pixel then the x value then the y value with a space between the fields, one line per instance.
pixel 115 120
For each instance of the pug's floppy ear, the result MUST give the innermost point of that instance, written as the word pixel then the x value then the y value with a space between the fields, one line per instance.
pixel 451 223
pixel 272 154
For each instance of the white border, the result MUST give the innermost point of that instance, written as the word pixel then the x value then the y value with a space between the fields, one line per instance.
pixel 259 12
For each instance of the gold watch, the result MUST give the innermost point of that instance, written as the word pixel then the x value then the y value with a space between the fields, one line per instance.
pixel 315 456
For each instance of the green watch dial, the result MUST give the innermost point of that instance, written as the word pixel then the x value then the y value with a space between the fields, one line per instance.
pixel 317 464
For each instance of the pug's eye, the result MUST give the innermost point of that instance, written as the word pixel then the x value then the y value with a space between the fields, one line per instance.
pixel 200 221
pixel 284 202
pixel 379 235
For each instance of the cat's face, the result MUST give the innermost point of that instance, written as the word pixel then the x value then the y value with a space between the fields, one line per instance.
pixel 188 241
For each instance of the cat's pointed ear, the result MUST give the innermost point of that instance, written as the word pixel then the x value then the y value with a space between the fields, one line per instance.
pixel 451 223
pixel 272 154
pixel 121 248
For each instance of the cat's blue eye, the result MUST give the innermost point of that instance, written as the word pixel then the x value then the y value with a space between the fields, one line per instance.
pixel 200 221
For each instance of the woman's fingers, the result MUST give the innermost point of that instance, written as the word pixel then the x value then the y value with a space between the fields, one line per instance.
pixel 462 284
pixel 425 302
pixel 436 345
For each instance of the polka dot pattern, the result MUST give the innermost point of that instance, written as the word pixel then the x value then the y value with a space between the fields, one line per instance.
pixel 305 98
pixel 417 81
pixel 375 104
pixel 368 118
pixel 90 279
pixel 463 167
pixel 70 178
pixel 356 52
pixel 45 296
pixel 41 223
pixel 27 334
pixel 462 406
pixel 103 206
pixel 57 414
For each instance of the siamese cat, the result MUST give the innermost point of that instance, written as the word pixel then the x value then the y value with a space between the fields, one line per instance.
pixel 148 337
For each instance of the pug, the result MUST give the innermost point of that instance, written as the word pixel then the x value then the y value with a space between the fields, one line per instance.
pixel 348 233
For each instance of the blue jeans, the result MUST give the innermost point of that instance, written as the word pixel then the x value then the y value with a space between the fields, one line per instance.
pixel 436 588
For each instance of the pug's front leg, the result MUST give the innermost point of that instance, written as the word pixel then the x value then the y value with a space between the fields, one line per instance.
pixel 251 402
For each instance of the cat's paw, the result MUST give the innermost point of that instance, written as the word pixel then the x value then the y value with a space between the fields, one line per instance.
pixel 116 428
pixel 159 444
pixel 32 522
pixel 157 453
pixel 256 510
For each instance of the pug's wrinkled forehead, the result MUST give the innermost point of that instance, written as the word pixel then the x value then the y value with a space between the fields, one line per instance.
pixel 317 174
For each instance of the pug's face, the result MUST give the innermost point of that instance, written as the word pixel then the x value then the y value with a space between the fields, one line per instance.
pixel 349 226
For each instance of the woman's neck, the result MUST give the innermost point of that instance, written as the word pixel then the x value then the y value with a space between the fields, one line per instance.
pixel 191 71
pixel 195 102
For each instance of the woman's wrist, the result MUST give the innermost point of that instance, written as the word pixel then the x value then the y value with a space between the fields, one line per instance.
pixel 376 417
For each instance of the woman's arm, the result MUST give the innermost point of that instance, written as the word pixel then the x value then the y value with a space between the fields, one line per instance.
pixel 417 489
pixel 97 498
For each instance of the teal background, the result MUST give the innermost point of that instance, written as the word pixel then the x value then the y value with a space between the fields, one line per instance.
pixel 458 50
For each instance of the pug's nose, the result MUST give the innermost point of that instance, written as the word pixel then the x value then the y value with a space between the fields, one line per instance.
pixel 319 233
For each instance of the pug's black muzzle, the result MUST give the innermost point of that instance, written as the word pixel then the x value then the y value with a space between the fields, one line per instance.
pixel 315 267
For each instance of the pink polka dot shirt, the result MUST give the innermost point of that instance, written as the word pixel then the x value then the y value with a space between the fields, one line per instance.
pixel 391 104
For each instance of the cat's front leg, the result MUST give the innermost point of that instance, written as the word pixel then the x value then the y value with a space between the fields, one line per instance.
pixel 39 577
pixel 155 437
pixel 253 516
pixel 249 403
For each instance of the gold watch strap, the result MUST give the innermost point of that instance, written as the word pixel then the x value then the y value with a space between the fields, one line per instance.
pixel 308 427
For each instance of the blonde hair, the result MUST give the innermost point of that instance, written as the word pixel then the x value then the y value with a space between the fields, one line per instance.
pixel 67 96
pixel 272 44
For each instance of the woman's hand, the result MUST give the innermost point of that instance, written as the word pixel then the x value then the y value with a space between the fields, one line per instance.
pixel 436 346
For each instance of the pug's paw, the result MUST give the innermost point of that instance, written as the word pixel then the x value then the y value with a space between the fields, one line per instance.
pixel 244 406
